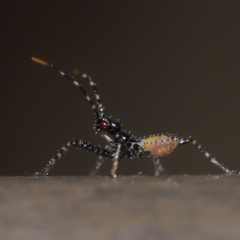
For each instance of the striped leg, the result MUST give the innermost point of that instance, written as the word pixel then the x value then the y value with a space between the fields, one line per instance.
pixel 207 154
pixel 98 165
pixel 53 161
pixel 115 161
pixel 100 161
pixel 114 148
pixel 79 144
pixel 158 169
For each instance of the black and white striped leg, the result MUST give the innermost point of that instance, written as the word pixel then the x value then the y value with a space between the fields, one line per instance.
pixel 79 144
pixel 115 161
pixel 158 169
pixel 53 161
pixel 207 154
pixel 98 165
pixel 100 160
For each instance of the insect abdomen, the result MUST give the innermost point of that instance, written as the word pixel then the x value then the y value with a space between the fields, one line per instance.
pixel 159 146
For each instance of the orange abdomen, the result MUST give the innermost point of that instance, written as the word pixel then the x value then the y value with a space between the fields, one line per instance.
pixel 159 146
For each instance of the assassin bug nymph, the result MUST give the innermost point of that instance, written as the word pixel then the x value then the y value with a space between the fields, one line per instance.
pixel 120 144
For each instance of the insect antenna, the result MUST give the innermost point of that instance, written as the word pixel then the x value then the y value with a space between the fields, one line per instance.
pixel 94 87
pixel 74 81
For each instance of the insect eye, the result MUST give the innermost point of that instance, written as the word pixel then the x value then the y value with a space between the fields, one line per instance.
pixel 103 125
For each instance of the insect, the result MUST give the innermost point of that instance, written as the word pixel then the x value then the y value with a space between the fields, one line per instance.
pixel 121 144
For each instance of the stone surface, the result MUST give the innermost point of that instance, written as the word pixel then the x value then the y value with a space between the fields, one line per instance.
pixel 133 207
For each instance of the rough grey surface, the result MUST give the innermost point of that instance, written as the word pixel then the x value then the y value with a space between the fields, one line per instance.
pixel 177 207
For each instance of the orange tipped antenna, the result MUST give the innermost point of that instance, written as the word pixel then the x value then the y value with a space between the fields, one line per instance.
pixel 40 61
pixel 75 82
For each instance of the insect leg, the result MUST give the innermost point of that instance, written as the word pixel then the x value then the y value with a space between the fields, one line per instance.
pixel 116 148
pixel 79 144
pixel 98 165
pixel 158 169
pixel 53 161
pixel 115 161
pixel 111 147
pixel 207 154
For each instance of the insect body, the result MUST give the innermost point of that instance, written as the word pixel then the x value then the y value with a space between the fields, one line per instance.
pixel 119 143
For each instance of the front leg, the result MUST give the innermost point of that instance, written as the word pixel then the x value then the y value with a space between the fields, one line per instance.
pixel 53 161
pixel 113 147
pixel 79 144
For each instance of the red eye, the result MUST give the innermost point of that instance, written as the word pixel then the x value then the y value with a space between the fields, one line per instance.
pixel 103 125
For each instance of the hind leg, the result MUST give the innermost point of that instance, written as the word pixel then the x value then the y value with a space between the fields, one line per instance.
pixel 207 154
pixel 158 169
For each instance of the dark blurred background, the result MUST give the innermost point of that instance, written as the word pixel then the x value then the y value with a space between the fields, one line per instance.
pixel 161 66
